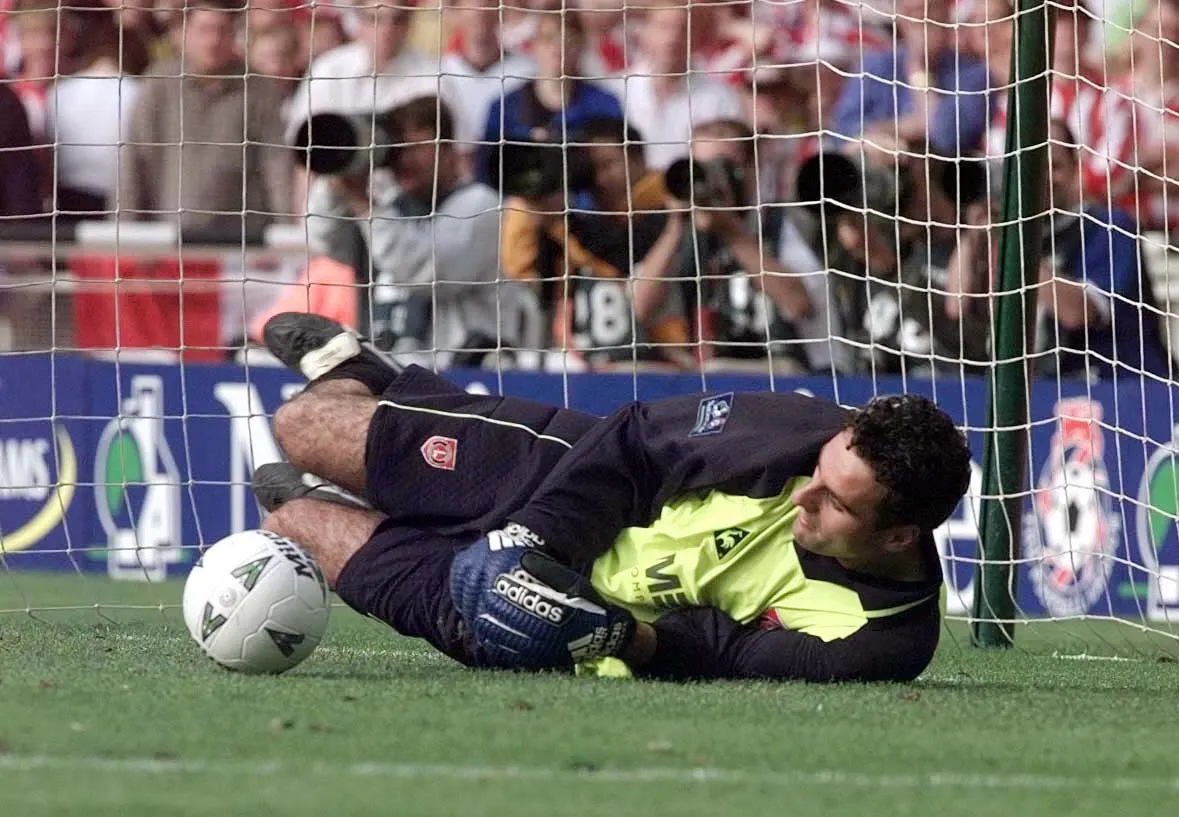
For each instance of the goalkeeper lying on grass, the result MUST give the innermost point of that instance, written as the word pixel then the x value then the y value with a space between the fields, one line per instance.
pixel 711 536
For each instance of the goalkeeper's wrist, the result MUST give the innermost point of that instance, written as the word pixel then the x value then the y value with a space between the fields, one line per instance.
pixel 641 647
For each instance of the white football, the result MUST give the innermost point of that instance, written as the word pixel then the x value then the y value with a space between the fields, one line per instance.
pixel 256 602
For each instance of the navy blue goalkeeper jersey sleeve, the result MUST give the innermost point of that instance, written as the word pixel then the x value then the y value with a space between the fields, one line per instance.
pixel 704 643
pixel 622 472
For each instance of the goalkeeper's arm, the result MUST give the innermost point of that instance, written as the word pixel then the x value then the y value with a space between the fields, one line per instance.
pixel 525 610
pixel 704 643
pixel 623 470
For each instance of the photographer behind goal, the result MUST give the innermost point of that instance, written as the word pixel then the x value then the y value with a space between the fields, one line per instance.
pixel 888 224
pixel 757 289
pixel 388 201
pixel 583 219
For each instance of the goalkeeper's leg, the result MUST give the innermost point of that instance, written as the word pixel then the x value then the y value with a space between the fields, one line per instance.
pixel 324 430
pixel 425 452
pixel 396 574
pixel 520 608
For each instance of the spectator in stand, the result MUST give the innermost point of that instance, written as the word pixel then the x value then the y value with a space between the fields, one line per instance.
pixel 1154 86
pixel 19 171
pixel 803 51
pixel 519 20
pixel 432 237
pixel 1099 317
pixel 665 96
pixel 926 95
pixel 315 29
pixel 557 102
pixel 9 49
pixel 267 15
pixel 89 111
pixel 276 53
pixel 755 310
pixel 609 37
pixel 607 26
pixel 47 37
pixel 375 72
pixel 205 147
pixel 1101 117
pixel 147 22
pixel 136 15
pixel 476 73
pixel 1097 314
pixel 323 32
pixel 583 263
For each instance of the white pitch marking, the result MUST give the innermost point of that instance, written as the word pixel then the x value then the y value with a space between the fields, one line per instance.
pixel 367 652
pixel 1086 657
pixel 654 774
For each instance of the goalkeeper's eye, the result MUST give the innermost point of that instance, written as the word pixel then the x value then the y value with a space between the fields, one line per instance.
pixel 830 499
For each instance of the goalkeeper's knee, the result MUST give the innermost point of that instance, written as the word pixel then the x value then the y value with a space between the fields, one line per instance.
pixel 525 610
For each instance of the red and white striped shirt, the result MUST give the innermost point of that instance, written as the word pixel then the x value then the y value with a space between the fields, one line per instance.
pixel 761 38
pixel 605 57
pixel 1102 123
pixel 1156 125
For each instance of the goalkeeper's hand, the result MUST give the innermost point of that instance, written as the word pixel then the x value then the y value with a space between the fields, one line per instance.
pixel 526 610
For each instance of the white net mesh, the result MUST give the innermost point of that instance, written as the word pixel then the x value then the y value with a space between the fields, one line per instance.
pixel 613 199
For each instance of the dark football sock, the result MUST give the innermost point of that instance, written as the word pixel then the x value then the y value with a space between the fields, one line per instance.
pixel 374 374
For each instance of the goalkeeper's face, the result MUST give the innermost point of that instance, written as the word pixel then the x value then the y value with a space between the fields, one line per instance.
pixel 837 508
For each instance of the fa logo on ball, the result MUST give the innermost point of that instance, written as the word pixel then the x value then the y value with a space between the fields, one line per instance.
pixel 1071 532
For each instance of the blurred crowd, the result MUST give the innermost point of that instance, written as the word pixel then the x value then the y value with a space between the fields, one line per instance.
pixel 794 185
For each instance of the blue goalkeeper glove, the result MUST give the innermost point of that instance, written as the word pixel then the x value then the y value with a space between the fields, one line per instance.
pixel 526 610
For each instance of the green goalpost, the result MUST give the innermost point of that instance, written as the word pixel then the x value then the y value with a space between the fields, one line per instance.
pixel 1022 216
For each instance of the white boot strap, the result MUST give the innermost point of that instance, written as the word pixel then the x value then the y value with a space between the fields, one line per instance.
pixel 339 349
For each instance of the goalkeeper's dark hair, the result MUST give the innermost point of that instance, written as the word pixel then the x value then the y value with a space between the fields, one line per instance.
pixel 917 454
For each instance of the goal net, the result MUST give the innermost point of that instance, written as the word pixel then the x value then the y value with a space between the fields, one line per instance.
pixel 588 203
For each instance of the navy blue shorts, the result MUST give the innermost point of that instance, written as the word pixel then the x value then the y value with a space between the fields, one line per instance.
pixel 446 467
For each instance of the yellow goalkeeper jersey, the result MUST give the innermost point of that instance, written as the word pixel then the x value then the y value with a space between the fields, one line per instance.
pixel 737 554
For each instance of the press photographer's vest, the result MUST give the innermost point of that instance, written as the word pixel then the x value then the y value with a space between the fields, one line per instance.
pixel 743 321
pixel 402 316
pixel 604 327
pixel 897 318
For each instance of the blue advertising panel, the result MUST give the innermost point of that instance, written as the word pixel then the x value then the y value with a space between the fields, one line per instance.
pixel 44 506
pixel 128 469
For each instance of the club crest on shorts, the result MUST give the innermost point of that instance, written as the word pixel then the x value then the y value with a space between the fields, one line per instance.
pixel 1071 532
pixel 440 452
pixel 712 415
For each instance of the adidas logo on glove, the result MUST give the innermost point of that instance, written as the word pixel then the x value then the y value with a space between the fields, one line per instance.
pixel 513 536
pixel 601 642
pixel 519 589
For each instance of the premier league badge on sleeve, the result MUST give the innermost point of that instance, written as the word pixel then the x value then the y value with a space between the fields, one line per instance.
pixel 712 415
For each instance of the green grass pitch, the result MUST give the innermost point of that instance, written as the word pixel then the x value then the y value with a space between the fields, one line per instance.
pixel 115 712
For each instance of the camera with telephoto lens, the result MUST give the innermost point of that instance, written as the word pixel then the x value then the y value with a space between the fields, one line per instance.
pixel 705 184
pixel 333 144
pixel 537 169
pixel 834 178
